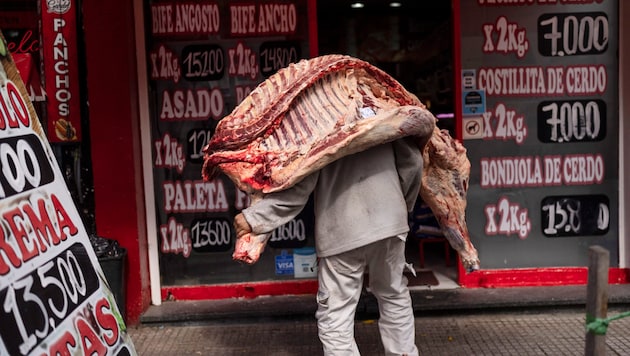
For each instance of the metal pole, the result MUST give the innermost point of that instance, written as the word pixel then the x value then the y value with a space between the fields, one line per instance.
pixel 596 297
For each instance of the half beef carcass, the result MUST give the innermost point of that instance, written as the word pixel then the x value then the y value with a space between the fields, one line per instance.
pixel 308 115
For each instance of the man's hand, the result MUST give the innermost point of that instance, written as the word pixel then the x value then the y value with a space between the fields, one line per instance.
pixel 241 225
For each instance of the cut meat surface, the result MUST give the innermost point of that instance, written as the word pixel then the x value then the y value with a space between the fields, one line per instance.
pixel 444 186
pixel 310 114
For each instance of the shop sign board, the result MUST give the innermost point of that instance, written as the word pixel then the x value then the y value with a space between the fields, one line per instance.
pixel 203 59
pixel 54 297
pixel 61 69
pixel 544 149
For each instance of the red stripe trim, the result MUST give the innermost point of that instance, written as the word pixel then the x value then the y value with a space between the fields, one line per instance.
pixel 531 277
pixel 240 290
pixel 526 277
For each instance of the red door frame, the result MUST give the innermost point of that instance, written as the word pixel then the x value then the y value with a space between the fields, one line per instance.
pixel 112 91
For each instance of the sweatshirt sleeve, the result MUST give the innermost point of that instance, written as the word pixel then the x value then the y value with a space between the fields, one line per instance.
pixel 409 165
pixel 278 208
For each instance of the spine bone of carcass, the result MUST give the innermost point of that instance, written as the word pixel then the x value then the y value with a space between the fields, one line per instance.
pixel 310 114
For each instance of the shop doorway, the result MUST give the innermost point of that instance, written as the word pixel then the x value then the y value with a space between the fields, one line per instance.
pixel 412 41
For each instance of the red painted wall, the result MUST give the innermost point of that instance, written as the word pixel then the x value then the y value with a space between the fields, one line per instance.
pixel 115 140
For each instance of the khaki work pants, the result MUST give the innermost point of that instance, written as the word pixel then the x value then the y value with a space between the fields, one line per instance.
pixel 340 284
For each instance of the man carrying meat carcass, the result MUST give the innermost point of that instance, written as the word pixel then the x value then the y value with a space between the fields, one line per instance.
pixel 361 223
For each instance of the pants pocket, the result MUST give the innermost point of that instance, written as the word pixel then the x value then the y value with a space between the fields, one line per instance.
pixel 322 298
pixel 347 264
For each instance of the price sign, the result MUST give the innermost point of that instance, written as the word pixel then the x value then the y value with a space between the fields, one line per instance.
pixel 577 215
pixel 544 152
pixel 276 55
pixel 24 164
pixel 35 304
pixel 289 235
pixel 54 298
pixel 211 235
pixel 203 62
pixel 571 121
pixel 573 34
pixel 197 139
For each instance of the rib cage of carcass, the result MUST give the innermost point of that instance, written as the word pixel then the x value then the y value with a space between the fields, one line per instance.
pixel 316 111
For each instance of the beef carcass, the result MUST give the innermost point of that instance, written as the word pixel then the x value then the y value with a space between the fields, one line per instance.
pixel 306 116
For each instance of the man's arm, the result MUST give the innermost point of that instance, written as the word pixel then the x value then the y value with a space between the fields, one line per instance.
pixel 275 209
pixel 241 226
pixel 409 165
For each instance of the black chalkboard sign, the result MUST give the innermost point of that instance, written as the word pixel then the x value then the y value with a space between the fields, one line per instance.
pixel 544 149
pixel 204 58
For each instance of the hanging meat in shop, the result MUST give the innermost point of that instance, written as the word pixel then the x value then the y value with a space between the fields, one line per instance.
pixel 316 111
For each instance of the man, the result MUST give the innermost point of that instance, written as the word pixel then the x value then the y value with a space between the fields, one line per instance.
pixel 361 208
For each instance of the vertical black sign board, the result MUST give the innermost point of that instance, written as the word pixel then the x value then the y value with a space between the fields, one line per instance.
pixel 204 58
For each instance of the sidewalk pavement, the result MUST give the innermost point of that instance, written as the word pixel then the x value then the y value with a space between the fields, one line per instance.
pixel 502 321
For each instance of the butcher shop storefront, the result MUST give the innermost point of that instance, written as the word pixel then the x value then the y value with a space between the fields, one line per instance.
pixel 201 61
pixel 531 87
pixel 534 89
